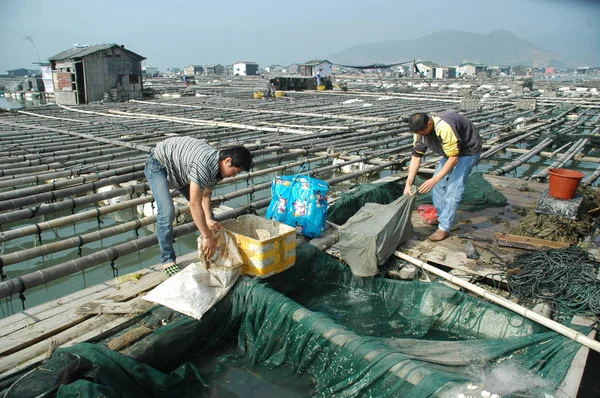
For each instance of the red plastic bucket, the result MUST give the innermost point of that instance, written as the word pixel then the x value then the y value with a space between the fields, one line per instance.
pixel 563 183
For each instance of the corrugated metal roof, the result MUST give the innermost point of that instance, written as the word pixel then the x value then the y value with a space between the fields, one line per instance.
pixel 79 52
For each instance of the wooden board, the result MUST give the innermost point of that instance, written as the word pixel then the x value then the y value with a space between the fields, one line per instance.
pixel 479 224
pixel 527 243
pixel 72 321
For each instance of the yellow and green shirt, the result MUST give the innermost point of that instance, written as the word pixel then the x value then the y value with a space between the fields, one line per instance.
pixel 454 135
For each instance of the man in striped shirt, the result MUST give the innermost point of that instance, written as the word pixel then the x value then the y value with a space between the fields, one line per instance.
pixel 194 168
pixel 456 139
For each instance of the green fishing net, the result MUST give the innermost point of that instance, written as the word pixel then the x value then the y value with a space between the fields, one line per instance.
pixel 318 330
pixel 478 195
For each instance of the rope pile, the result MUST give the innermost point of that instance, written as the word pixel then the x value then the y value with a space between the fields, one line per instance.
pixel 565 278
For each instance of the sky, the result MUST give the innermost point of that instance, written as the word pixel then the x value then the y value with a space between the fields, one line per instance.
pixel 178 33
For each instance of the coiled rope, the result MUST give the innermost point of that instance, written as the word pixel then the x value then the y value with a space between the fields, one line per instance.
pixel 564 278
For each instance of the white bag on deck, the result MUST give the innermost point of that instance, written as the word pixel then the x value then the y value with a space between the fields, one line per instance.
pixel 198 287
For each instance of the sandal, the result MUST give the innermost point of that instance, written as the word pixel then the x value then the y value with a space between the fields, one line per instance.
pixel 171 269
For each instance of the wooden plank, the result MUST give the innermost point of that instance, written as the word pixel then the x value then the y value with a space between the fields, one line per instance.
pixel 129 307
pixel 40 347
pixel 69 320
pixel 525 242
pixel 45 329
pixel 52 308
pixel 484 223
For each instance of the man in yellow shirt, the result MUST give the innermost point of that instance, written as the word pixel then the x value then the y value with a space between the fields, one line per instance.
pixel 456 139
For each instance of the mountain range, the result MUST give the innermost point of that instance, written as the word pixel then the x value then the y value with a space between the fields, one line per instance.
pixel 451 47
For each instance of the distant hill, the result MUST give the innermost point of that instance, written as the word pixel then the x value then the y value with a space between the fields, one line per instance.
pixel 450 47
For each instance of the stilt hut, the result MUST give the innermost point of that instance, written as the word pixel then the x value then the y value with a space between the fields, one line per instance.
pixel 84 74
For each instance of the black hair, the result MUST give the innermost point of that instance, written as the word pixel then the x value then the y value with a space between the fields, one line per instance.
pixel 240 156
pixel 418 122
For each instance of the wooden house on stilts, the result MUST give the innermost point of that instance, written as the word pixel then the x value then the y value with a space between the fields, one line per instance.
pixel 84 74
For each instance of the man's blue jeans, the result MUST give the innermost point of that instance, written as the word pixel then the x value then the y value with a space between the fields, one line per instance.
pixel 156 174
pixel 448 192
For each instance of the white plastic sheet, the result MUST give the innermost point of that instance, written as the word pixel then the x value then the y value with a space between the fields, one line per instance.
pixel 198 287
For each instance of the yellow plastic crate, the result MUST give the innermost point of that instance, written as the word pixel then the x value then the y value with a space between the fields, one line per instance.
pixel 267 247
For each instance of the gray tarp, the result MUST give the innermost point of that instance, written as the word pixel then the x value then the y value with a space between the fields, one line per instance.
pixel 371 236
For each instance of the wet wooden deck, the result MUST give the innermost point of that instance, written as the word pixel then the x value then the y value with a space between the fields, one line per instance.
pixel 479 224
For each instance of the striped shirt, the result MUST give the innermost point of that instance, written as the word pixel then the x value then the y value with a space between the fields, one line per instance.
pixel 188 159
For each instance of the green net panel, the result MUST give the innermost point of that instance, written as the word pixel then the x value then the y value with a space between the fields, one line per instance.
pixel 349 203
pixel 317 330
pixel 479 194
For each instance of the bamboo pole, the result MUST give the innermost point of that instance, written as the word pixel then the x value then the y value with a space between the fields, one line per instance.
pixel 521 160
pixel 69 204
pixel 72 219
pixel 137 147
pixel 76 241
pixel 211 123
pixel 14 181
pixel 541 176
pixel 11 204
pixel 319 115
pixel 58 271
pixel 40 277
pixel 527 313
pixel 68 182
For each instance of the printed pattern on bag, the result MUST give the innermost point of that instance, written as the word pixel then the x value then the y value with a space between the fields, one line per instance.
pixel 300 202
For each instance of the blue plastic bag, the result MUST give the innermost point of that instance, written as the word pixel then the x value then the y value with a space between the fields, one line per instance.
pixel 300 201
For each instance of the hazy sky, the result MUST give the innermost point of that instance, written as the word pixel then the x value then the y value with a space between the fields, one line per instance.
pixel 176 33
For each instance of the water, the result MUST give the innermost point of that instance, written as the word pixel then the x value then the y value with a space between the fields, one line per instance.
pixel 16 103
pixel 228 377
pixel 126 264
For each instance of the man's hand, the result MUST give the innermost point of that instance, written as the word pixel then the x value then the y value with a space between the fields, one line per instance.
pixel 213 225
pixel 209 245
pixel 427 186
pixel 408 189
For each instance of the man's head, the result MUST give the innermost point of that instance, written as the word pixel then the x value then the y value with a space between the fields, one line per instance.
pixel 420 123
pixel 234 160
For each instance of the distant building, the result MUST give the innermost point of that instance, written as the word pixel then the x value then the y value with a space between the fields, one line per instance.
pixel 274 69
pixel 496 71
pixel 152 71
pixel 229 70
pixel 243 68
pixel 583 70
pixel 522 70
pixel 83 74
pixel 427 69
pixel 293 69
pixel 445 72
pixel 471 69
pixel 311 67
pixel 193 70
pixel 550 71
pixel 214 69
pixel 432 70
pixel 18 72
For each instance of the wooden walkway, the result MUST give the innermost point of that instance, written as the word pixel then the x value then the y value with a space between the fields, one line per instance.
pixel 81 316
pixel 479 224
